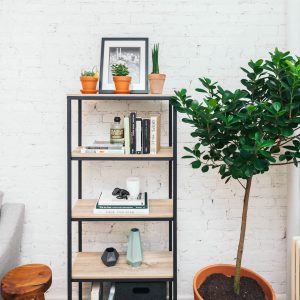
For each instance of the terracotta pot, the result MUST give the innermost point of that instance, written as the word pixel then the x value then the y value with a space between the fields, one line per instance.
pixel 122 84
pixel 229 270
pixel 157 82
pixel 89 83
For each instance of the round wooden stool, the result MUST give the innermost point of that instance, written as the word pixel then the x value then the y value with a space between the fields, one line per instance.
pixel 26 282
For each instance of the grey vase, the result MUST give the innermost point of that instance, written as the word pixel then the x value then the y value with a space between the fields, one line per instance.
pixel 134 251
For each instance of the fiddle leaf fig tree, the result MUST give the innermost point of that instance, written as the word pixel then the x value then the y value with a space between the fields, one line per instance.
pixel 243 133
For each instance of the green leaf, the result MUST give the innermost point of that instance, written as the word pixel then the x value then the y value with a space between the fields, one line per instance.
pixel 260 165
pixel 287 132
pixel 222 169
pixel 282 157
pixel 196 164
pixel 267 144
pixel 205 169
pixel 201 90
pixel 277 106
pixel 295 161
pixel 187 156
pixel 188 150
pixel 227 179
pixel 258 136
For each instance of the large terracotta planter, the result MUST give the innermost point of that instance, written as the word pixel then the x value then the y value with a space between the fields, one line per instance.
pixel 122 84
pixel 157 82
pixel 89 84
pixel 229 270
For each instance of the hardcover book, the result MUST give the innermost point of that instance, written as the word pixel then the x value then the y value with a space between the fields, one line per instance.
pixel 132 126
pixel 138 136
pixel 146 135
pixel 126 135
pixel 154 134
pixel 127 209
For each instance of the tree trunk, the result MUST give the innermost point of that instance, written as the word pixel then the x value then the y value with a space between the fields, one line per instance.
pixel 237 277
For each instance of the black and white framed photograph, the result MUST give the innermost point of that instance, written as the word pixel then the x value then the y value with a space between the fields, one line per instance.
pixel 133 52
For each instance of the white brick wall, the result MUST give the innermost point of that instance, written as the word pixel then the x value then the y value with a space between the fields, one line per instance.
pixel 44 45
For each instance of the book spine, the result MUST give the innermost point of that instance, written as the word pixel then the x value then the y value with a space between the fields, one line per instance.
pixel 116 207
pixel 153 135
pixel 132 132
pixel 146 136
pixel 138 136
pixel 127 135
pixel 122 212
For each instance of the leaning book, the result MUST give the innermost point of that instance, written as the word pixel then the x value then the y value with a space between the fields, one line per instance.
pixel 124 207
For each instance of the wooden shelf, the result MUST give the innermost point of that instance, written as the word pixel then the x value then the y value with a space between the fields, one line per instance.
pixel 156 265
pixel 79 96
pixel 159 210
pixel 165 153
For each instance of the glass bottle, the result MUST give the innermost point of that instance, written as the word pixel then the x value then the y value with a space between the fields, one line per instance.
pixel 117 131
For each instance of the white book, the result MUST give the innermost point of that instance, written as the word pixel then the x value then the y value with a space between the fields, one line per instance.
pixel 127 135
pixel 99 150
pixel 154 134
pixel 138 136
pixel 127 211
pixel 96 291
pixel 109 199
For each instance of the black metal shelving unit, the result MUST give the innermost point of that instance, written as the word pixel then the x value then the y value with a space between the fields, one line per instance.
pixel 172 188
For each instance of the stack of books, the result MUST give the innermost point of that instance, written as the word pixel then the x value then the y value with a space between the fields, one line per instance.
pixel 142 136
pixel 114 206
pixel 104 147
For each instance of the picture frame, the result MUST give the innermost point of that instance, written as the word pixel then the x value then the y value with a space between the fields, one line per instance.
pixel 134 53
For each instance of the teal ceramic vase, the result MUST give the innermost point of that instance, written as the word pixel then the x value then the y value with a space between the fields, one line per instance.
pixel 134 251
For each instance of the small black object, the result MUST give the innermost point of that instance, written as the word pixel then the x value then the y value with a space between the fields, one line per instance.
pixel 117 119
pixel 110 257
pixel 120 193
pixel 141 291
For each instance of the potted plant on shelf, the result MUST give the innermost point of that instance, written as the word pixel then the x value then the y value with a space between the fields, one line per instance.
pixel 156 79
pixel 121 79
pixel 242 134
pixel 89 81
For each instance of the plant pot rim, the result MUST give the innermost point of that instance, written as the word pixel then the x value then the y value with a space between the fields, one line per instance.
pixel 157 75
pixel 230 266
pixel 127 76
pixel 87 78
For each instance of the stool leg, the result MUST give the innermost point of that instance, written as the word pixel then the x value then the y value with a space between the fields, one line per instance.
pixel 41 297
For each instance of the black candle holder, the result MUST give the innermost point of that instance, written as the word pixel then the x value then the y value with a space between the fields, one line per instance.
pixel 110 257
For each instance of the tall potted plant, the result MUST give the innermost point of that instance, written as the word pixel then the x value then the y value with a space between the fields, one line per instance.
pixel 121 79
pixel 242 134
pixel 156 79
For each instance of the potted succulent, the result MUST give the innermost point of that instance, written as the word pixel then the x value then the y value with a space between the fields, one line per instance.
pixel 89 81
pixel 121 79
pixel 242 134
pixel 156 79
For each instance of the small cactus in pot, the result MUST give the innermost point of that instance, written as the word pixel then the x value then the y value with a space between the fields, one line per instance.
pixel 121 79
pixel 89 81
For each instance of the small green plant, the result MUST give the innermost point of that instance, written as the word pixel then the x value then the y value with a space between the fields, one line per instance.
pixel 243 133
pixel 119 70
pixel 93 72
pixel 155 66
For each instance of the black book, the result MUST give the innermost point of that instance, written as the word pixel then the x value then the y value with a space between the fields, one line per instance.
pixel 138 136
pixel 132 134
pixel 146 135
